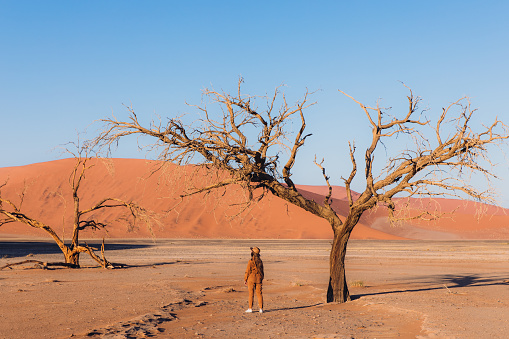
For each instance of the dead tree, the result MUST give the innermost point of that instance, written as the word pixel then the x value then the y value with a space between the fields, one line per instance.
pixel 226 141
pixel 12 212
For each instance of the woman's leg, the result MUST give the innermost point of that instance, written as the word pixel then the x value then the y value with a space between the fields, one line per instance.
pixel 260 295
pixel 251 288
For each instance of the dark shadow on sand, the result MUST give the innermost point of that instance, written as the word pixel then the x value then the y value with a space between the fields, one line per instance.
pixel 292 308
pixel 164 263
pixel 16 249
pixel 448 282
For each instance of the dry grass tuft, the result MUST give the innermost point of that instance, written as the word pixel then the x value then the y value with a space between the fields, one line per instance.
pixel 357 283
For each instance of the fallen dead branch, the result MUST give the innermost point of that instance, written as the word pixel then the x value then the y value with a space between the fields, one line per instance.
pixel 41 264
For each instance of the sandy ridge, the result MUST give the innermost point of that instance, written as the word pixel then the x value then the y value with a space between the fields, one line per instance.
pixel 48 199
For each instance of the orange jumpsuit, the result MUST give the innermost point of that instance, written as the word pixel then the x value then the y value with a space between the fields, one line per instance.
pixel 254 279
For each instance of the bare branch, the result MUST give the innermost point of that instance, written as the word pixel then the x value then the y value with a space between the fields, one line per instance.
pixel 348 182
pixel 299 142
pixel 327 200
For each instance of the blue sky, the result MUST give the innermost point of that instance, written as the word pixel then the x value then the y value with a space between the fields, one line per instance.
pixel 65 64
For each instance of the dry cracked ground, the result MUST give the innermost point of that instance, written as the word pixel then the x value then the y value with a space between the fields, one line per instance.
pixel 194 289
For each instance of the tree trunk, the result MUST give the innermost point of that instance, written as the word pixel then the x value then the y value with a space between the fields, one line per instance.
pixel 338 289
pixel 73 258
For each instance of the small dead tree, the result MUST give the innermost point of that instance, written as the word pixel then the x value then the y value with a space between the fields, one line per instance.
pixel 226 142
pixel 12 212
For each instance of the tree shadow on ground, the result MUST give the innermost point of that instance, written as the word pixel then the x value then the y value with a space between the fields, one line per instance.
pixel 15 249
pixel 446 281
pixel 162 263
pixel 293 308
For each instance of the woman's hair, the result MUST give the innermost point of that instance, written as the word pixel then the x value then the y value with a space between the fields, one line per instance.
pixel 258 262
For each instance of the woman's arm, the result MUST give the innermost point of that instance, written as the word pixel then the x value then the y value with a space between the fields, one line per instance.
pixel 248 271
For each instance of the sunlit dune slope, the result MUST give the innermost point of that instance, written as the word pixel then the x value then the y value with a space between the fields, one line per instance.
pixel 48 199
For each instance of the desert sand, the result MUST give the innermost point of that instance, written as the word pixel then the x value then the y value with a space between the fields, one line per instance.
pixel 442 279
pixel 48 199
pixel 193 289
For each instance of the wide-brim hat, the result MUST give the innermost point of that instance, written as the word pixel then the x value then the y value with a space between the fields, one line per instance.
pixel 255 250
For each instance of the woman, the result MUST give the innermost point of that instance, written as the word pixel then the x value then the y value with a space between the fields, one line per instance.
pixel 253 278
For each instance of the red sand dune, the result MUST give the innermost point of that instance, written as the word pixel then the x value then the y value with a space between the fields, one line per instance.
pixel 48 199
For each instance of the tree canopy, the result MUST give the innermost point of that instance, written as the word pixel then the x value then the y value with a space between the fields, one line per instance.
pixel 245 139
